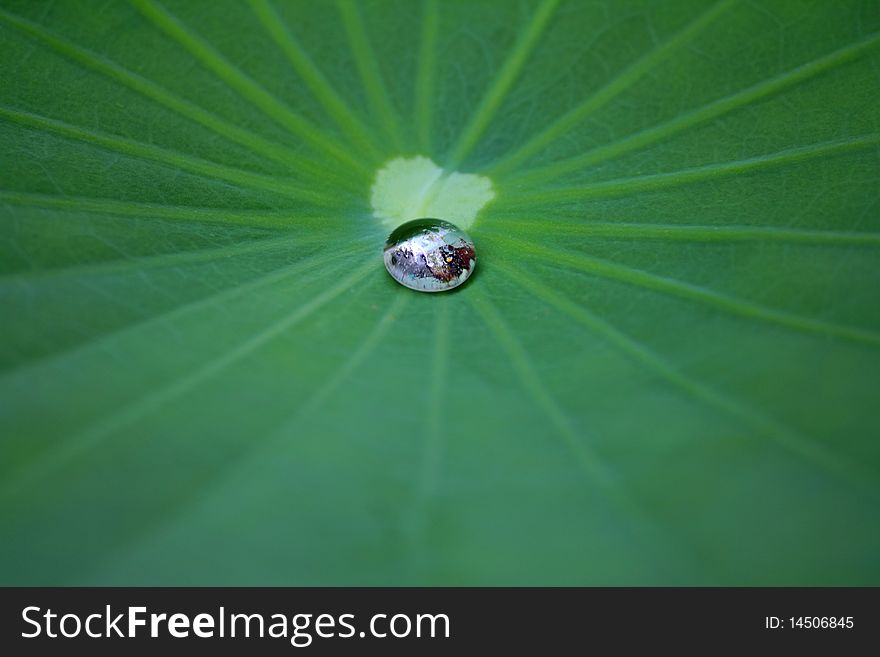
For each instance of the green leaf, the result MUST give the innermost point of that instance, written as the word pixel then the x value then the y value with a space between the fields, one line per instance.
pixel 663 371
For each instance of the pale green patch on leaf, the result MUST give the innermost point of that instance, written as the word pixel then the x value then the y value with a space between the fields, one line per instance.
pixel 415 188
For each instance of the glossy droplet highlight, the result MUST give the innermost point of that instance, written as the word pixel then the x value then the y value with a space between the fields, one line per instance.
pixel 429 255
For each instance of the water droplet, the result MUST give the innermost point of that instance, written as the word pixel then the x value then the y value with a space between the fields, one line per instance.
pixel 429 255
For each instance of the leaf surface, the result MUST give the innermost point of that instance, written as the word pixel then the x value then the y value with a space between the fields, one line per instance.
pixel 664 370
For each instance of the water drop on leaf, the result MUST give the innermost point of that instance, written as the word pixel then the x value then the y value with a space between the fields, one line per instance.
pixel 429 255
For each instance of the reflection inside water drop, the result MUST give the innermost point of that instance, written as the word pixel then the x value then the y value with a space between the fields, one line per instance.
pixel 429 255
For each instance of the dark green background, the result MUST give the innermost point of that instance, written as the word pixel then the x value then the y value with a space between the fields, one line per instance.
pixel 665 370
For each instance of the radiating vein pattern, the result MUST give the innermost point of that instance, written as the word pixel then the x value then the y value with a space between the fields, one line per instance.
pixel 239 81
pixel 283 439
pixel 417 518
pixel 425 77
pixel 663 371
pixel 618 84
pixel 695 293
pixel 699 174
pixel 581 226
pixel 158 94
pixel 521 362
pixel 130 147
pixel 789 438
pixel 280 219
pixel 368 68
pixel 176 259
pixel 690 119
pixel 89 437
pixel 600 475
pixel 312 76
pixel 507 75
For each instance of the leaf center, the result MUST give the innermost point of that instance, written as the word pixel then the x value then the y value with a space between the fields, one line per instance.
pixel 414 188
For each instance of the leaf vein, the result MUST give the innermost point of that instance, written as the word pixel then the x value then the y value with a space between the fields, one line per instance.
pixel 310 73
pixel 611 90
pixel 368 69
pixel 507 75
pixel 160 95
pixel 785 436
pixel 657 181
pixel 703 114
pixel 179 161
pixel 695 293
pixel 688 232
pixel 92 435
pixel 246 87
